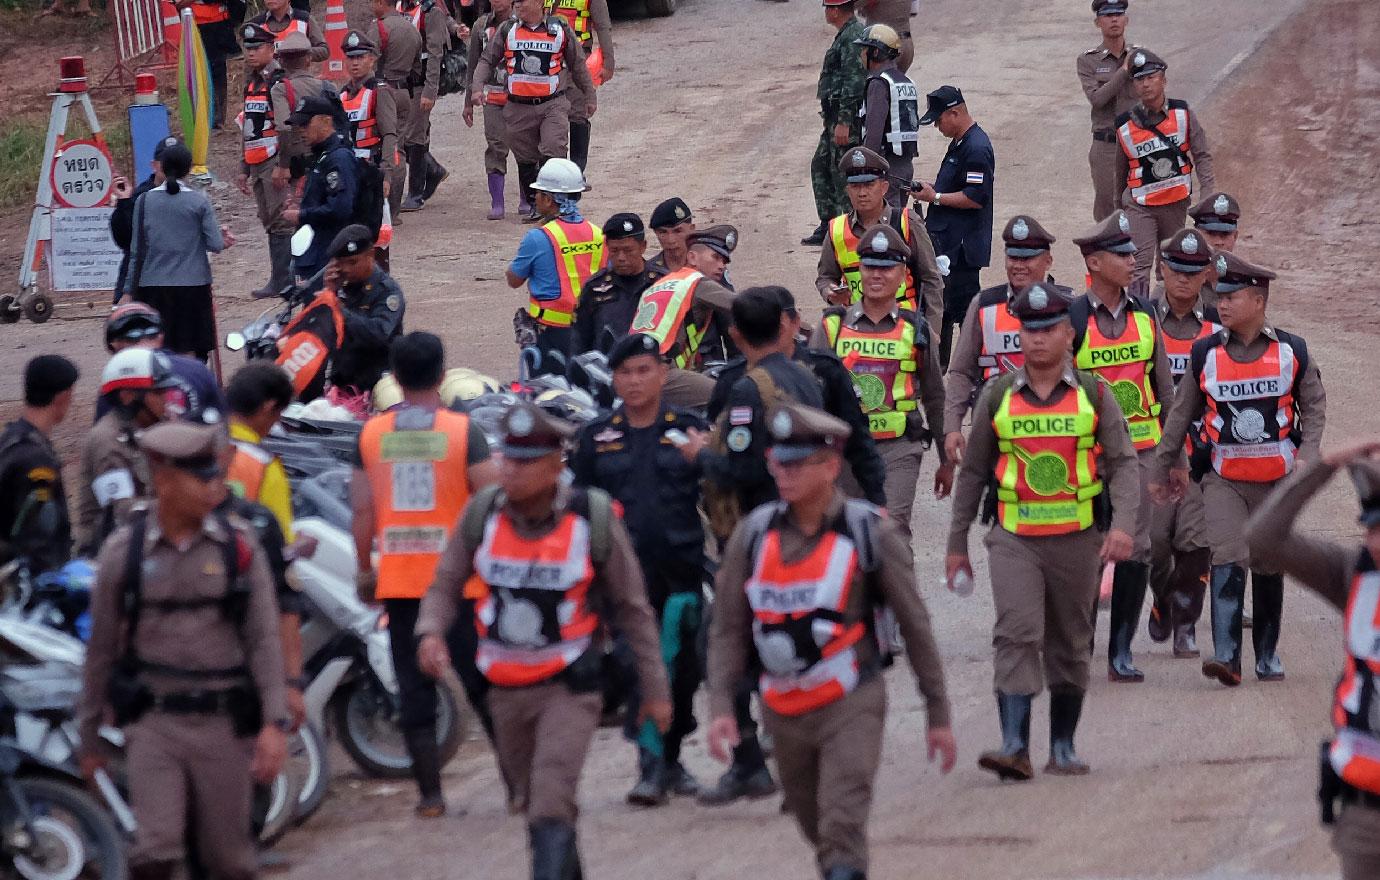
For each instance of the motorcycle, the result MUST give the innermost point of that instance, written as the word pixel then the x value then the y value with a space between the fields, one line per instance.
pixel 58 599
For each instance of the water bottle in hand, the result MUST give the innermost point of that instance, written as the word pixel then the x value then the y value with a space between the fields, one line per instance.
pixel 961 584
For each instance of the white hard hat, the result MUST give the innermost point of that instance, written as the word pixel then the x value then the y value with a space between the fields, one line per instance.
pixel 560 176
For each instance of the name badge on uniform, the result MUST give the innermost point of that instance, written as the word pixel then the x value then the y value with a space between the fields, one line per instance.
pixel 114 485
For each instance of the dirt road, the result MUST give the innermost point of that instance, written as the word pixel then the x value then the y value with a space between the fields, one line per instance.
pixel 716 105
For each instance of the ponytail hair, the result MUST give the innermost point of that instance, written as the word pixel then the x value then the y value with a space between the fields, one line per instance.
pixel 177 163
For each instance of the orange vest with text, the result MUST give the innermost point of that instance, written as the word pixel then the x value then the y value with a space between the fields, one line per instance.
pixel 845 243
pixel 1160 170
pixel 579 251
pixel 1355 752
pixel 1250 417
pixel 535 57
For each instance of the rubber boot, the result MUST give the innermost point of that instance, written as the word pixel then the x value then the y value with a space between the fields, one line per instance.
pixel 1267 599
pixel 747 777
pixel 436 175
pixel 1228 584
pixel 1186 599
pixel 1158 626
pixel 843 872
pixel 1065 708
pixel 579 144
pixel 1012 760
pixel 1129 582
pixel 496 181
pixel 416 179
pixel 554 856
pixel 650 790
pixel 527 175
pixel 280 266
pixel 816 238
pixel 678 781
pixel 426 770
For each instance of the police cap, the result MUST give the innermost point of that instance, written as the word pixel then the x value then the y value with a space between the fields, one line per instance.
pixel 1144 62
pixel 1038 306
pixel 939 100
pixel 1025 237
pixel 357 43
pixel 1365 476
pixel 353 239
pixel 188 446
pixel 294 42
pixel 881 246
pixel 671 212
pixel 1186 251
pixel 530 432
pixel 1113 235
pixel 1235 272
pixel 309 107
pixel 799 431
pixel 633 345
pixel 624 225
pixel 1216 213
pixel 861 165
pixel 839 2
pixel 254 35
pixel 1109 7
pixel 721 239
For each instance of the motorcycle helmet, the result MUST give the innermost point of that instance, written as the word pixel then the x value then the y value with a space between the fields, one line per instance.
pixel 132 322
pixel 137 369
pixel 387 393
pixel 462 385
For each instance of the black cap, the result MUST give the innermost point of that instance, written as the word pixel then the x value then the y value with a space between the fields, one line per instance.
pixel 254 35
pixel 353 239
pixel 47 376
pixel 1186 251
pixel 624 225
pixel 308 107
pixel 1109 7
pixel 671 212
pixel 1025 237
pixel 721 239
pixel 1144 62
pixel 358 43
pixel 1038 306
pixel 1217 212
pixel 939 100
pixel 163 145
pixel 633 345
pixel 1234 272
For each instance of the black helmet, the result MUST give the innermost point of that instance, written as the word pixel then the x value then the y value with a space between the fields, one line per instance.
pixel 132 321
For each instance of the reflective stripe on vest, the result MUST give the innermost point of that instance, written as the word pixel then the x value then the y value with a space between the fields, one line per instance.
pixel 209 13
pixel 360 108
pixel 579 250
pixel 1249 415
pixel 1127 363
pixel 1161 173
pixel 577 13
pixel 532 613
pixel 884 368
pixel 245 476
pixel 903 122
pixel 808 650
pixel 1047 463
pixel 1355 753
pixel 1001 341
pixel 495 90
pixel 664 308
pixel 534 57
pixel 1179 351
pixel 415 462
pixel 294 25
pixel 260 133
pixel 845 243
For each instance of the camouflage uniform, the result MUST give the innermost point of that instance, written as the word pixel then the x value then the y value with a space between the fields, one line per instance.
pixel 842 80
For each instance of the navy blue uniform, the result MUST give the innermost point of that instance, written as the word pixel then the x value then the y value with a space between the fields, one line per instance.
pixel 328 202
pixel 964 235
pixel 373 319
pixel 609 300
pixel 34 522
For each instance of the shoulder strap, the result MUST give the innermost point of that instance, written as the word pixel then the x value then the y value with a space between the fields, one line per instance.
pixel 1198 354
pixel 861 519
pixel 1300 349
pixel 132 579
pixel 291 94
pixel 481 505
pixel 599 513
pixel 757 523
pixel 1091 385
pixel 766 386
pixel 1079 312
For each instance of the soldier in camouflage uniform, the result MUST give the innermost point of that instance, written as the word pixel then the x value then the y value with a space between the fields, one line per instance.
pixel 842 80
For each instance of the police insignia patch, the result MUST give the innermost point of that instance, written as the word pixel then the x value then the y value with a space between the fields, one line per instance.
pixel 1020 230
pixel 1139 60
pixel 521 423
pixel 1221 205
pixel 627 226
pixel 608 435
pixel 1190 244
pixel 1038 298
pixel 680 213
pixel 781 425
pixel 858 160
pixel 1162 168
pixel 731 240
pixel 1123 223
pixel 1221 265
pixel 394 302
pixel 739 439
pixel 879 242
pixel 333 180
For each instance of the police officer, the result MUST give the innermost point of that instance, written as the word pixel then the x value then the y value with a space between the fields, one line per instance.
pixel 545 566
pixel 328 199
pixel 631 454
pixel 371 105
pixel 989 341
pixel 1346 578
pixel 424 173
pixel 416 466
pixel 1179 558
pixel 260 150
pixel 400 44
pixel 279 18
pixel 1034 450
pixel 1216 217
pixel 895 14
pixel 891 354
pixel 542 57
pixel 34 523
pixel 960 216
pixel 1105 74
pixel 672 223
pixel 798 586
pixel 891 108
pixel 841 83
pixel 609 299
pixel 113 472
pixel 295 84
pixel 199 688
pixel 494 95
pixel 1261 400
pixel 1161 144
pixel 839 278
pixel 1117 337
pixel 588 19
pixel 373 305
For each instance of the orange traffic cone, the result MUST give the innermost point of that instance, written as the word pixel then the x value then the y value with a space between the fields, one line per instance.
pixel 333 68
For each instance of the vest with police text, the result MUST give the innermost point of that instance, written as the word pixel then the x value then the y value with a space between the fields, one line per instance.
pixel 1250 417
pixel 1160 170
pixel 1126 363
pixel 361 108
pixel 260 132
pixel 1001 337
pixel 535 57
pixel 1355 752
pixel 903 119
pixel 665 308
pixel 885 367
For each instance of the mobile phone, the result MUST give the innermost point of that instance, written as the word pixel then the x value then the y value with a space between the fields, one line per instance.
pixel 677 436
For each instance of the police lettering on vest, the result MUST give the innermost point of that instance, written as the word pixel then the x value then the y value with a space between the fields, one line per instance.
pixel 1160 171
pixel 579 250
pixel 845 243
pixel 1250 418
pixel 903 120
pixel 1178 350
pixel 1355 752
pixel 1127 364
pixel 1001 336
pixel 260 133
pixel 535 57
pixel 884 367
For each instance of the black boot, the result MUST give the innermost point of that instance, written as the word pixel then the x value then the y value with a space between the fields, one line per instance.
pixel 426 769
pixel 650 790
pixel 1129 582
pixel 1012 760
pixel 1267 599
pixel 436 174
pixel 527 175
pixel 1158 626
pixel 816 238
pixel 579 143
pixel 1228 592
pixel 1065 708
pixel 1186 599
pixel 554 856
pixel 747 777
pixel 280 267
pixel 416 179
pixel 843 872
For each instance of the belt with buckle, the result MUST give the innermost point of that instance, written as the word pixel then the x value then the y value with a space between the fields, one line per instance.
pixel 530 101
pixel 1107 136
pixel 193 703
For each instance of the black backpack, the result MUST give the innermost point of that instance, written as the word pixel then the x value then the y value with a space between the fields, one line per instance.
pixel 369 195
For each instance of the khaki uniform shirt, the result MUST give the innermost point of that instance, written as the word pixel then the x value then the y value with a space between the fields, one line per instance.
pixel 1107 84
pixel 292 143
pixel 1197 148
pixel 113 473
pixel 924 270
pixel 319 50
pixel 1325 567
pixel 397 59
pixel 573 58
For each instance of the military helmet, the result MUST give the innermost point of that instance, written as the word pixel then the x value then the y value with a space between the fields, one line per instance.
pixel 882 37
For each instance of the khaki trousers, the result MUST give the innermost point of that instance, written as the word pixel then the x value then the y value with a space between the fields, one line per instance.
pixel 538 131
pixel 541 734
pixel 1151 225
pixel 496 136
pixel 902 459
pixel 270 199
pixel 1227 504
pixel 1106 185
pixel 1356 840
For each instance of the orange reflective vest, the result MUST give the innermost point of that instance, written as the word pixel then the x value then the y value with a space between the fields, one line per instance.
pixel 1127 363
pixel 579 249
pixel 495 91
pixel 1250 417
pixel 664 309
pixel 416 14
pixel 807 647
pixel 362 110
pixel 1178 352
pixel 845 244
pixel 885 367
pixel 415 462
pixel 1355 753
pixel 294 25
pixel 1001 336
pixel 532 610
pixel 260 132
pixel 1161 173
pixel 535 57
pixel 209 13
pixel 245 476
pixel 1047 463
pixel 576 12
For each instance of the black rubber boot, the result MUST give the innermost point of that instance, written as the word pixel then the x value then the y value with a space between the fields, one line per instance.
pixel 1129 582
pixel 436 174
pixel 1228 584
pixel 747 777
pixel 650 790
pixel 280 267
pixel 416 179
pixel 1186 599
pixel 554 856
pixel 579 143
pixel 816 238
pixel 527 175
pixel 426 770
pixel 1012 760
pixel 1267 599
pixel 844 872
pixel 1065 708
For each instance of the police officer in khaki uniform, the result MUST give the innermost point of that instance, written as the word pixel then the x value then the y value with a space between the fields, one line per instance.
pixel 1216 217
pixel 280 17
pixel 297 83
pixel 400 43
pixel 590 21
pixel 543 563
pixel 1032 449
pixel 185 650
pixel 374 116
pixel 798 587
pixel 1104 72
pixel 424 173
pixel 493 96
pixel 261 145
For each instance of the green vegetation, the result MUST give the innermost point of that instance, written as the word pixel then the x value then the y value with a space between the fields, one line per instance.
pixel 21 152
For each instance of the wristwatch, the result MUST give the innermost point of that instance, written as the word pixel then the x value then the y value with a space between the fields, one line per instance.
pixel 935 200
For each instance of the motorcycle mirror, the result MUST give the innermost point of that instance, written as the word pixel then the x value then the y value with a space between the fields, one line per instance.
pixel 234 341
pixel 301 240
